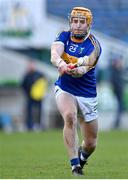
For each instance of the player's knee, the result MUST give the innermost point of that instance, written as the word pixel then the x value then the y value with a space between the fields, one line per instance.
pixel 91 144
pixel 70 119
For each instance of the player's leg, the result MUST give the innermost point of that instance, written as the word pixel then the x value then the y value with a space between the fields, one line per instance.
pixel 68 108
pixel 89 131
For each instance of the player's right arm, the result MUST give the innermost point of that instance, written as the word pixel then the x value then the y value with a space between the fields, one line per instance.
pixel 57 50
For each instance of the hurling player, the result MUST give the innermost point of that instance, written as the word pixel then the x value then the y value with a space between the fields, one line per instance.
pixel 75 53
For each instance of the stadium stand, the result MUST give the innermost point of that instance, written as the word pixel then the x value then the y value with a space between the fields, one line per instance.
pixel 110 17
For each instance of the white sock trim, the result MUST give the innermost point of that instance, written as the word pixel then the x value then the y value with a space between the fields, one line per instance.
pixel 82 157
pixel 74 166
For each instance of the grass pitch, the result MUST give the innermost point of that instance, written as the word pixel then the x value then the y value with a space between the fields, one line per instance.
pixel 43 156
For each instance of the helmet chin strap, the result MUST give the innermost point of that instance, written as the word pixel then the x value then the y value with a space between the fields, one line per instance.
pixel 79 36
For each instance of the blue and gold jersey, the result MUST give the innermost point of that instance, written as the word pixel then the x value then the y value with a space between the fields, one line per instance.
pixel 84 86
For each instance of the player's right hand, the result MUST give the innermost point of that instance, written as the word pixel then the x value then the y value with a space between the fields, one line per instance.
pixel 62 67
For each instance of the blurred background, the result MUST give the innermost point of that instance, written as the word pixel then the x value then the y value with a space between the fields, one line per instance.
pixel 27 30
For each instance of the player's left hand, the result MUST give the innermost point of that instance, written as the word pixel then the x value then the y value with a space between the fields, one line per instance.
pixel 75 71
pixel 70 68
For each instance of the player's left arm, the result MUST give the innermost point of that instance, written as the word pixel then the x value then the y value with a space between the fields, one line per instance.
pixel 86 63
pixel 90 61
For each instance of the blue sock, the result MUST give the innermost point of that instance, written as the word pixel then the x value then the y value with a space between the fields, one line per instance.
pixel 74 161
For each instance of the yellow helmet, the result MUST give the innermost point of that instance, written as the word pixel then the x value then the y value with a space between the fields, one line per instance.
pixel 82 12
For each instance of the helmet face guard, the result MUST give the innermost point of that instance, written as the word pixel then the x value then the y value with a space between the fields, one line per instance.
pixel 81 12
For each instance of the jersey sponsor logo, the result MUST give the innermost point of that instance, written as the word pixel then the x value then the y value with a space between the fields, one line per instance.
pixel 81 50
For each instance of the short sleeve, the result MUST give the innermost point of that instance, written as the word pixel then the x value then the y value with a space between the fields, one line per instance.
pixel 62 37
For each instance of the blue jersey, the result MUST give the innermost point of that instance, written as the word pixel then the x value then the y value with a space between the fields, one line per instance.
pixel 84 86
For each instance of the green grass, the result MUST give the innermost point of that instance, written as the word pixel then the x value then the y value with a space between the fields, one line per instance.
pixel 42 155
